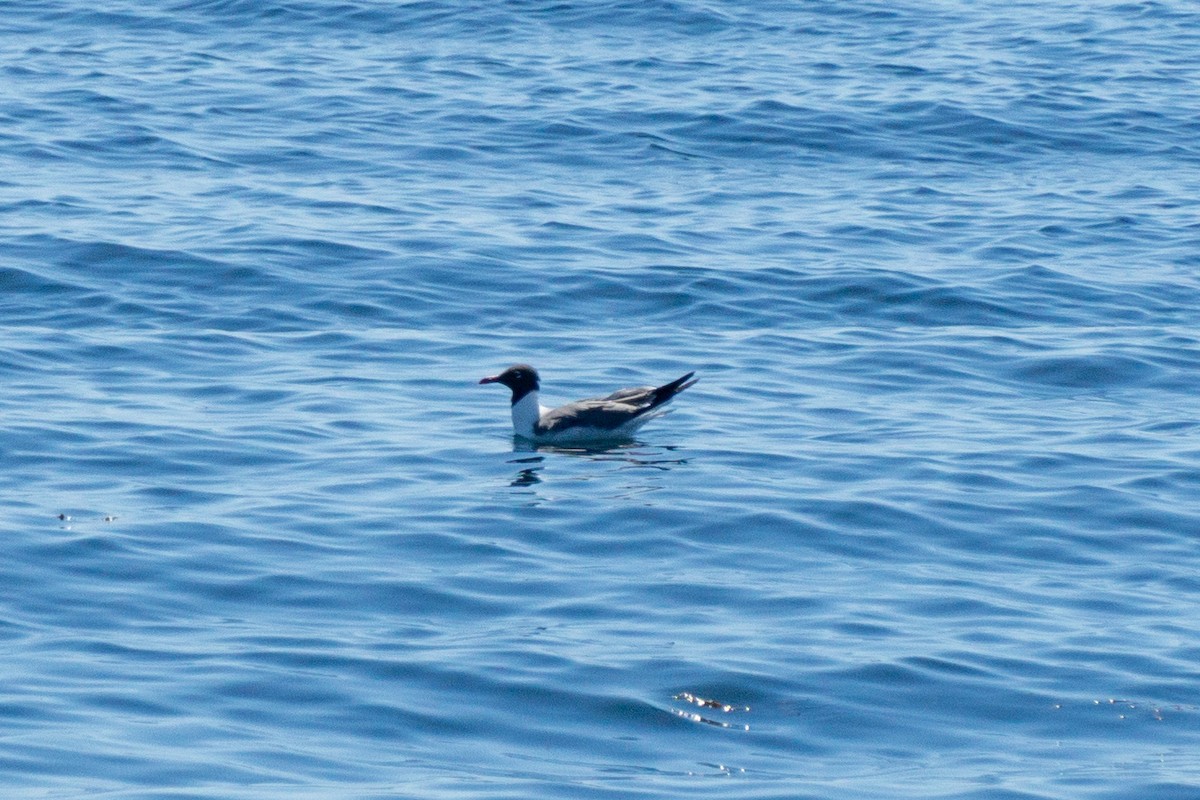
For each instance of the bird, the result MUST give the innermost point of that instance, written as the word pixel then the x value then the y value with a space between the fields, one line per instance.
pixel 613 417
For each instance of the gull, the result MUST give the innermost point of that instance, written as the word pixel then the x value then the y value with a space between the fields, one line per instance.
pixel 616 416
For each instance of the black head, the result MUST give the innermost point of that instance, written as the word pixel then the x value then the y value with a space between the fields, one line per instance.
pixel 521 378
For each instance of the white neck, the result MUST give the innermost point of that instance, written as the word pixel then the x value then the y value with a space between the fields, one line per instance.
pixel 525 414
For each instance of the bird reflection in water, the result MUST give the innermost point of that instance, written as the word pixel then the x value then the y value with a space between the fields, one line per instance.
pixel 634 455
pixel 529 475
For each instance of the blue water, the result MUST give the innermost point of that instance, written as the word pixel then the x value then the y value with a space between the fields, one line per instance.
pixel 926 528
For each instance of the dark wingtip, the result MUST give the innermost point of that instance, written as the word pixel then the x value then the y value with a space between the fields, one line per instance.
pixel 664 393
pixel 679 384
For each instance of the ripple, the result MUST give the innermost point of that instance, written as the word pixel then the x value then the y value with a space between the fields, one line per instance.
pixel 1094 371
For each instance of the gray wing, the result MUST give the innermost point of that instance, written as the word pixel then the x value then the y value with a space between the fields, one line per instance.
pixel 634 395
pixel 599 412
pixel 613 411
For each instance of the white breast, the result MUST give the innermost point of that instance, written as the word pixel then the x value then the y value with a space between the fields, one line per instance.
pixel 525 414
